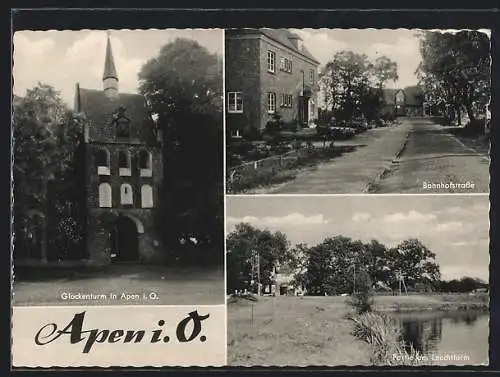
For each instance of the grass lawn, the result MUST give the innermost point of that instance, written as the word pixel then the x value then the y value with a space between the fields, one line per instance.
pixel 441 302
pixel 173 286
pixel 297 331
pixel 301 331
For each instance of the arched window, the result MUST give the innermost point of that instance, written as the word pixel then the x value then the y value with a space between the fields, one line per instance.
pixel 124 163
pixel 105 195
pixel 126 194
pixel 102 161
pixel 145 163
pixel 147 196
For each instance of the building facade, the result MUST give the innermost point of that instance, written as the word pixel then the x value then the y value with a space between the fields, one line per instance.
pixel 268 72
pixel 404 102
pixel 123 172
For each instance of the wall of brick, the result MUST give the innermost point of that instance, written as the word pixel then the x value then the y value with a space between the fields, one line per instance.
pixel 100 222
pixel 115 180
pixel 243 75
pixel 283 82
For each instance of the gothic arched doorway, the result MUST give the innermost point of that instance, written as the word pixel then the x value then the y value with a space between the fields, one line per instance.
pixel 124 240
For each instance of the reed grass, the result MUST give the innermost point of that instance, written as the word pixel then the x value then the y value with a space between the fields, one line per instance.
pixel 382 334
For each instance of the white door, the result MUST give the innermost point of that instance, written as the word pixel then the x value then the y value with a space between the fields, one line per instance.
pixel 310 111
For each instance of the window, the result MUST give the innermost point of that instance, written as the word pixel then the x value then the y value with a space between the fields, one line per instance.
pixel 105 195
pixel 285 65
pixel 271 61
pixel 234 102
pixel 145 164
pixel 102 162
pixel 271 102
pixel 124 163
pixel 286 100
pixel 311 76
pixel 146 196
pixel 126 194
pixel 236 133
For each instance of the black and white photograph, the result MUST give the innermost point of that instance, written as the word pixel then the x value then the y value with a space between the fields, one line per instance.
pixel 350 111
pixel 358 280
pixel 118 167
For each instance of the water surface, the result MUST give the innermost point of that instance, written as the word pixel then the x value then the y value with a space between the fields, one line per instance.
pixel 448 338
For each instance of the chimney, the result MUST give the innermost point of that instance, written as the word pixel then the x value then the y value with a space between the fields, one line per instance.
pixel 110 77
pixel 296 41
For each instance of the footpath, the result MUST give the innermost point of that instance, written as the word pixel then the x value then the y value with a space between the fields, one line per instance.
pixel 352 172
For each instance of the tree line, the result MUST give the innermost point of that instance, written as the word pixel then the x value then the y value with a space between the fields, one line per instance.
pixel 184 86
pixel 335 266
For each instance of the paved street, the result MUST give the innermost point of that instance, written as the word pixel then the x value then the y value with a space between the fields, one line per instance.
pixel 397 159
pixel 351 172
pixel 434 156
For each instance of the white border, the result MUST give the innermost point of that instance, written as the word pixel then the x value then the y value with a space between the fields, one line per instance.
pixel 224 185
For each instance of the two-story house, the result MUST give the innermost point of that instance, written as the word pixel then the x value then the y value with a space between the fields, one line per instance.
pixel 268 71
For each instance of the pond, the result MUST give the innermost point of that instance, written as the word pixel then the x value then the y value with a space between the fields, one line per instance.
pixel 448 338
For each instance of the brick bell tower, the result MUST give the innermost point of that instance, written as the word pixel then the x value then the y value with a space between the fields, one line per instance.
pixel 123 172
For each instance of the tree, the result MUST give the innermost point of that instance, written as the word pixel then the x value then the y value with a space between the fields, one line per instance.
pixel 184 85
pixel 47 173
pixel 328 266
pixel 384 70
pixel 414 262
pixel 353 85
pixel 455 71
pixel 245 241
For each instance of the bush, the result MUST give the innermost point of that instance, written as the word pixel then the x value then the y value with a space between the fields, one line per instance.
pixel 476 127
pixel 362 302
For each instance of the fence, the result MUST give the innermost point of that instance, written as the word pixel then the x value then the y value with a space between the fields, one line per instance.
pixel 285 160
pixel 274 169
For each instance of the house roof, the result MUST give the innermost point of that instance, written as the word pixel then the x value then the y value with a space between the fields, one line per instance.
pixel 414 95
pixel 100 111
pixel 389 95
pixel 281 36
pixel 99 108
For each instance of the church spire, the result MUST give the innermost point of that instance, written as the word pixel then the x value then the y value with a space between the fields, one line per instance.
pixel 110 77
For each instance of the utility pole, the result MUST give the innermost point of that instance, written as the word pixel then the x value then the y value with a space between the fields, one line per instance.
pixel 354 282
pixel 256 269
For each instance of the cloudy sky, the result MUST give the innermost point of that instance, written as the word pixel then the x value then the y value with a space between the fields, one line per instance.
pixel 455 227
pixel 63 58
pixel 400 45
